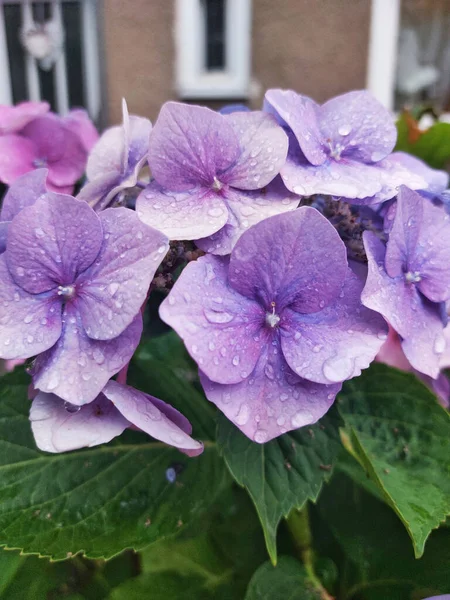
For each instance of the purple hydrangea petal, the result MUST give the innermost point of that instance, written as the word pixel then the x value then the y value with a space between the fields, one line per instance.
pixel 190 145
pixel 120 148
pixel 417 322
pixel 418 244
pixel 228 109
pixel 222 330
pixel 4 225
pixel 140 130
pixel 360 126
pixel 50 242
pixel 272 399
pixel 112 291
pixel 143 412
pixel 29 323
pixel 437 180
pixel 336 343
pixel 404 232
pixel 98 192
pixel 182 215
pixel 14 118
pixel 58 428
pixel 77 368
pixel 173 415
pixel 306 271
pixel 23 192
pixel 59 147
pixel 78 122
pixel 107 154
pixel 264 147
pixel 16 157
pixel 393 175
pixel 246 209
pixel 346 178
pixel 300 114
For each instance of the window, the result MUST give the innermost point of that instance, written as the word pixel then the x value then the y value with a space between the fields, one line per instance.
pixel 213 40
pixel 68 75
pixel 409 53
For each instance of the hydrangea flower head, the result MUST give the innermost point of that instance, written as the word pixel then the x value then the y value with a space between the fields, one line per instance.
pixel 210 174
pixel 14 118
pixel 409 278
pixel 45 142
pixel 59 428
pixel 277 327
pixel 340 148
pixel 71 287
pixel 115 160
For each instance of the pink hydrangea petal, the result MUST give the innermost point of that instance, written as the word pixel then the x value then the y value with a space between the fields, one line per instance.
pixel 391 352
pixel 190 145
pixel 264 147
pixel 246 209
pixel 24 191
pixel 79 122
pixel 336 343
pixel 17 155
pixel 272 399
pixel 52 241
pixel 59 147
pixel 300 113
pixel 222 330
pixel 288 273
pixel 362 126
pixel 14 118
pixel 182 215
pixel 57 429
pixel 418 323
pixel 141 410
pixel 77 368
pixel 112 291
pixel 29 323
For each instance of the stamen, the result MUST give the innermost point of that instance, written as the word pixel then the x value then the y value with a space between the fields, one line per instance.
pixel 216 185
pixel 39 163
pixel 67 291
pixel 272 319
pixel 413 277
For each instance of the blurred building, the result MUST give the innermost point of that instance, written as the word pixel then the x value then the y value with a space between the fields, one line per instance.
pixel 94 52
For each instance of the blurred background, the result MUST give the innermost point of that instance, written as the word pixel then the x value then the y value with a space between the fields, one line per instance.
pixel 91 53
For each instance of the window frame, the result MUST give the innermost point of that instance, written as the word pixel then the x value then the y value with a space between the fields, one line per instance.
pixel 193 80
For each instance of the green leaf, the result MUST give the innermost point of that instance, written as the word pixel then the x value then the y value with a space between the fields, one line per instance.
pixel 215 560
pixel 30 578
pixel 163 368
pixel 163 586
pixel 288 580
pixel 376 561
pixel 97 501
pixel 401 436
pixel 283 473
pixel 432 145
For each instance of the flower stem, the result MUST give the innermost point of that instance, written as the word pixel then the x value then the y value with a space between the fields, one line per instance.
pixel 299 528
